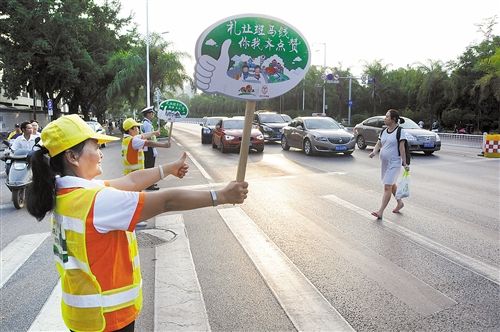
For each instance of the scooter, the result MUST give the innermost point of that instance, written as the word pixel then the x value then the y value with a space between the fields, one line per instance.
pixel 18 176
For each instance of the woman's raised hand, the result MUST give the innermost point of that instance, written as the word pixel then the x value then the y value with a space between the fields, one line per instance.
pixel 179 168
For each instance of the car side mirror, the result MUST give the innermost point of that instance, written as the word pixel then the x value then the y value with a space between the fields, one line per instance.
pixel 299 127
pixel 201 124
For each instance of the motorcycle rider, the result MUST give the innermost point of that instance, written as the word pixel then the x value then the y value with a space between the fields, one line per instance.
pixel 15 133
pixel 26 141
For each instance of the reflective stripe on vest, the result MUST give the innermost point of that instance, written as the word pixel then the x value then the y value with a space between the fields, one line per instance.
pixel 132 159
pixel 83 301
pixel 97 300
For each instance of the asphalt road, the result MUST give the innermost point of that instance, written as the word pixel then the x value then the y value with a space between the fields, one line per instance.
pixel 435 266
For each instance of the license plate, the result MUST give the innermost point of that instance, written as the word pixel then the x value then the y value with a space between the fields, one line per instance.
pixel 340 148
pixel 428 145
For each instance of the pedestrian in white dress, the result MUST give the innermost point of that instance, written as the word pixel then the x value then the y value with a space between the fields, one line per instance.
pixel 391 160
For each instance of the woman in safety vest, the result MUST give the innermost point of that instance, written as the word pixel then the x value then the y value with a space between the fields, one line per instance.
pixel 93 222
pixel 133 143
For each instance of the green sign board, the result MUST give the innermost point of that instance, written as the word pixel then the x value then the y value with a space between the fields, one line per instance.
pixel 172 109
pixel 251 57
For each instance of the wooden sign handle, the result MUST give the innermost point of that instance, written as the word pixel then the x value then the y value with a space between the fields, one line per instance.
pixel 170 131
pixel 245 141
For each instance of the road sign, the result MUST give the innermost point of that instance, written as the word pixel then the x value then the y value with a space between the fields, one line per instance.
pixel 332 78
pixel 50 107
pixel 349 103
pixel 251 57
pixel 171 109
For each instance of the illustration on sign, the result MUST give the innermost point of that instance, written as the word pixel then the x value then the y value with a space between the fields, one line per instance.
pixel 172 109
pixel 250 57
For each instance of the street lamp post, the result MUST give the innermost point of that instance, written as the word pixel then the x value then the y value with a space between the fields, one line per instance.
pixel 148 102
pixel 324 69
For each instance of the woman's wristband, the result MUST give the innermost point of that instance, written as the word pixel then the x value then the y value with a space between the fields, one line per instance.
pixel 213 195
pixel 162 175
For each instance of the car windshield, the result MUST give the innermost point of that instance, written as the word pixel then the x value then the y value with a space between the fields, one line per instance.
pixel 286 118
pixel 212 121
pixel 321 123
pixel 233 124
pixel 409 124
pixel 270 118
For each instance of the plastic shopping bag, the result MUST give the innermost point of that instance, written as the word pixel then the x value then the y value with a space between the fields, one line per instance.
pixel 404 186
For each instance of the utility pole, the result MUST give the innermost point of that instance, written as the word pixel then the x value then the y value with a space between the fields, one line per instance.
pixel 324 70
pixel 148 102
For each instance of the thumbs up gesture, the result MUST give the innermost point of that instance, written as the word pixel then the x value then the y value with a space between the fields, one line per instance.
pixel 210 72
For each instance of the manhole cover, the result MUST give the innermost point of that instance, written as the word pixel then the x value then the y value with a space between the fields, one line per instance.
pixel 147 240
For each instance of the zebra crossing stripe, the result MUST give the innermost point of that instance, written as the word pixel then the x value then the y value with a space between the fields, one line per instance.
pixel 17 253
pixel 50 318
pixel 179 304
pixel 483 269
pixel 306 307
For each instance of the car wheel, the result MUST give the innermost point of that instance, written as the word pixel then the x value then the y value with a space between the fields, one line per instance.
pixel 428 153
pixel 103 145
pixel 360 141
pixel 308 149
pixel 260 150
pixel 214 146
pixel 284 143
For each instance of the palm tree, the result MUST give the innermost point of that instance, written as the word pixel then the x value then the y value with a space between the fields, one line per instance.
pixel 166 71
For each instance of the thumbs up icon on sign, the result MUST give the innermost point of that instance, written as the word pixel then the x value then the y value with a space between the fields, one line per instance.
pixel 211 73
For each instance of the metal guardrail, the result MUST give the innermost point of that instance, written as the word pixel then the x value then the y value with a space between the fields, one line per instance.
pixel 472 141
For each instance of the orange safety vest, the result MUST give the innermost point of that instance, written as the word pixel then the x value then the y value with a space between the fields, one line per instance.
pixel 100 273
pixel 133 160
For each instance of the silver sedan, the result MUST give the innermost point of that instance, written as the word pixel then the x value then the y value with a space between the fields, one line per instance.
pixel 317 134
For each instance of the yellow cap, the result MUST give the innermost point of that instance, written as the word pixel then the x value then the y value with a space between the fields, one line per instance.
pixel 67 131
pixel 129 123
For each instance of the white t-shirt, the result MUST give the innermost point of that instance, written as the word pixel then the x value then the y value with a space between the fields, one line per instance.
pixel 113 209
pixel 137 142
pixel 390 145
pixel 21 143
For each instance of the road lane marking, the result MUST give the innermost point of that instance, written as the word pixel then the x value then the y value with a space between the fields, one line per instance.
pixel 485 270
pixel 50 317
pixel 6 206
pixel 179 304
pixel 17 253
pixel 306 307
pixel 201 169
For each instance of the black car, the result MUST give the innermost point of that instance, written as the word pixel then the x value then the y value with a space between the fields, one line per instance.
pixel 208 124
pixel 270 124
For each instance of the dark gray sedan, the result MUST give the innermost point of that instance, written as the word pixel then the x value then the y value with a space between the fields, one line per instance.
pixel 368 131
pixel 317 134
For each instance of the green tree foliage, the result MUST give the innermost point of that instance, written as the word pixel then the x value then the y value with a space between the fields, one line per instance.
pixel 166 71
pixel 59 48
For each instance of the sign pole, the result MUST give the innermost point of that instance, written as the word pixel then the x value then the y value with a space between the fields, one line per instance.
pixel 170 131
pixel 245 140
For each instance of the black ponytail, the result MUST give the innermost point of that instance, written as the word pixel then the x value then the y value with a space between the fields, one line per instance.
pixel 41 193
